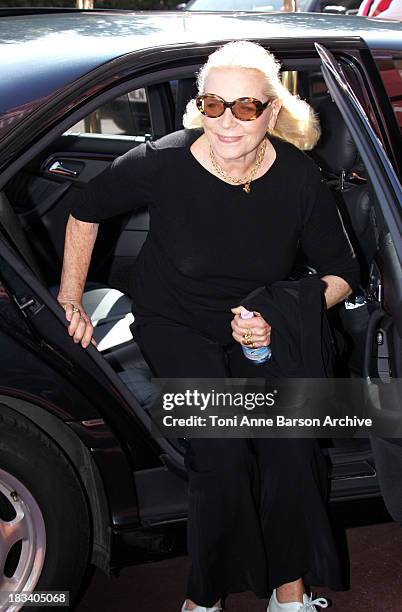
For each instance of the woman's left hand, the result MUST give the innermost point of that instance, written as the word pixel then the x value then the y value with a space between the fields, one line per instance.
pixel 259 328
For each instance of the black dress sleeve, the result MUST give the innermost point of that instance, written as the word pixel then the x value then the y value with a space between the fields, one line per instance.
pixel 124 186
pixel 323 239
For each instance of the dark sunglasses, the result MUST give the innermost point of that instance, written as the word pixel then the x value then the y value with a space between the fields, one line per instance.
pixel 245 109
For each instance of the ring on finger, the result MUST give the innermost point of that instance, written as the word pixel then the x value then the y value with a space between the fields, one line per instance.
pixel 66 304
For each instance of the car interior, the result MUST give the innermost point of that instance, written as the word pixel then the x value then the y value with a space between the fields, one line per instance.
pixel 38 197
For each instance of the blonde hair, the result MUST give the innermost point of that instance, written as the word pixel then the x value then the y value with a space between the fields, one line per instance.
pixel 296 122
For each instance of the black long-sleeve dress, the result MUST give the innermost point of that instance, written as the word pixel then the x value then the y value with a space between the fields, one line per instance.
pixel 257 515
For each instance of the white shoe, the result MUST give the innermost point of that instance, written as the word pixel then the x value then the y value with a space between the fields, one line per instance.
pixel 200 609
pixel 308 604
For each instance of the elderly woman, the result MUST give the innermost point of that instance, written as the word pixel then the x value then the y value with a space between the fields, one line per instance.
pixel 231 198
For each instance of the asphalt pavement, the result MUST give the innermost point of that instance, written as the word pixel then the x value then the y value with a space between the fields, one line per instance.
pixel 372 543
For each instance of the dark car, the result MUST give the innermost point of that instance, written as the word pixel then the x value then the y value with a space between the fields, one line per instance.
pixel 83 479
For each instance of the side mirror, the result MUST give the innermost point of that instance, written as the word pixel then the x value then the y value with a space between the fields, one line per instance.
pixel 334 9
pixel 181 7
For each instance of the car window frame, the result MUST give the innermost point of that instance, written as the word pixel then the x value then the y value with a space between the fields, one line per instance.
pixel 364 79
pixel 185 62
pixel 383 177
pixel 153 78
pixel 160 105
pixel 379 167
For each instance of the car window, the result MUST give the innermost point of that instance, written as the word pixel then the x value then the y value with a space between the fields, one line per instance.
pixel 391 73
pixel 130 114
pixel 127 115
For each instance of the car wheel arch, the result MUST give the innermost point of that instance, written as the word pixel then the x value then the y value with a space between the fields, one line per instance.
pixel 84 466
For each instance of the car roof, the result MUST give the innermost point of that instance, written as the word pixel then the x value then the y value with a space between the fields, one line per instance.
pixel 40 53
pixel 135 30
pixel 93 37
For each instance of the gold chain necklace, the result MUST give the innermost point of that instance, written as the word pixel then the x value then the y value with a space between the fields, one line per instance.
pixel 247 179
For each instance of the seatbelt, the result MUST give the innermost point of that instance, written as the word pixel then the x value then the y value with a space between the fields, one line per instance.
pixel 11 224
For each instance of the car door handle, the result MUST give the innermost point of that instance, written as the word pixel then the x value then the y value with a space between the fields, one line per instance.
pixel 59 167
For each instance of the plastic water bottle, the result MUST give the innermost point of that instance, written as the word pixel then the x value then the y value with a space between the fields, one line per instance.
pixel 257 355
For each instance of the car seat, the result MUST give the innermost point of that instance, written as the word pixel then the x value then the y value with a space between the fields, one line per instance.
pixel 109 309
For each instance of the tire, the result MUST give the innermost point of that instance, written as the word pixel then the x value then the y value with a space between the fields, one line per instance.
pixel 40 489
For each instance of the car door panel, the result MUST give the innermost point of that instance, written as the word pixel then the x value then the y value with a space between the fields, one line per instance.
pixel 42 193
pixel 384 330
pixel 42 200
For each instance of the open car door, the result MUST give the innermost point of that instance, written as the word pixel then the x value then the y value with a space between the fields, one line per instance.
pixel 383 348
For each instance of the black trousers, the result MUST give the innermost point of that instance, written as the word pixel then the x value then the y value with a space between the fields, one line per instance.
pixel 257 513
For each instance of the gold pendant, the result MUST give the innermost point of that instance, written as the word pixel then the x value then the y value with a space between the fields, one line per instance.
pixel 246 188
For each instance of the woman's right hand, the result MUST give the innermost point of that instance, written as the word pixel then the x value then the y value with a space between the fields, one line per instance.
pixel 80 328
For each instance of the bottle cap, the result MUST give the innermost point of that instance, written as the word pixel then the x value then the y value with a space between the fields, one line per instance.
pixel 246 314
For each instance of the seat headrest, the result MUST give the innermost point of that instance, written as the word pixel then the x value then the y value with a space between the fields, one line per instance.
pixel 336 150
